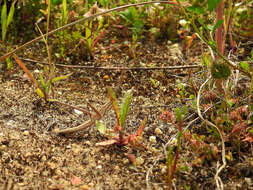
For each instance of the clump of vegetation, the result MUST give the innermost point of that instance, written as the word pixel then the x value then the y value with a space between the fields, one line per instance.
pixel 224 134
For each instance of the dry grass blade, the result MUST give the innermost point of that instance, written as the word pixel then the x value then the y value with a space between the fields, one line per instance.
pixel 29 74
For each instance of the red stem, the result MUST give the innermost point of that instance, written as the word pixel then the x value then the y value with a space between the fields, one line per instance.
pixel 219 13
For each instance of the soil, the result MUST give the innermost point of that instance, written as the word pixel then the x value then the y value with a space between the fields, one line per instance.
pixel 32 156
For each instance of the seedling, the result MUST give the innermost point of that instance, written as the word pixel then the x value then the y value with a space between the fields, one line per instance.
pixel 92 36
pixel 118 136
pixel 177 120
pixel 45 86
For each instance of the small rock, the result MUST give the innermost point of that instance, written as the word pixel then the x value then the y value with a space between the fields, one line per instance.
pixel 78 112
pixel 88 143
pixel 91 184
pixel 125 161
pixel 44 158
pixel 107 157
pixel 68 146
pixel 99 167
pixel 3 147
pixel 117 168
pixel 26 133
pixel 152 139
pixel 139 161
pixel 158 131
pixel 45 173
pixel 164 169
pixel 248 180
pixel 85 187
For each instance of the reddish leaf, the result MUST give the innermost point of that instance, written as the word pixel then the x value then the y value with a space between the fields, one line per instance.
pixel 248 139
pixel 106 143
pixel 131 157
pixel 141 128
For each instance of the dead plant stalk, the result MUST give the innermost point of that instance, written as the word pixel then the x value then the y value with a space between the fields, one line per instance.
pixel 218 180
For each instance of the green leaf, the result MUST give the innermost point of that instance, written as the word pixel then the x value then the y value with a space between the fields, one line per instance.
pixel 218 23
pixel 42 82
pixel 64 10
pixel 11 13
pixel 212 4
pixel 125 107
pixel 251 131
pixel 9 63
pixel 196 9
pixel 155 83
pixel 60 78
pixel 40 93
pixel 115 106
pixel 245 66
pixel 4 20
pixel 202 22
pixel 101 127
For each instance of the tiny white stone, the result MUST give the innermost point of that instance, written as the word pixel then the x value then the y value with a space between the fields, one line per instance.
pixel 26 133
pixel 68 147
pixel 78 112
pixel 99 167
pixel 36 71
pixel 152 139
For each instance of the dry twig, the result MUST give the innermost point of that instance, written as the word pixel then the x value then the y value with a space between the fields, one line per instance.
pixel 116 68
pixel 93 117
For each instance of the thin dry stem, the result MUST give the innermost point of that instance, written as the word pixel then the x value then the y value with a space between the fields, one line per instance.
pixel 115 68
pixel 218 180
pixel 105 108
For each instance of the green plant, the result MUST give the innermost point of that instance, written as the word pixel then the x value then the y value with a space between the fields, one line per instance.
pixel 196 14
pixel 172 158
pixel 46 82
pixel 6 19
pixel 43 88
pixel 133 19
pixel 93 32
pixel 118 135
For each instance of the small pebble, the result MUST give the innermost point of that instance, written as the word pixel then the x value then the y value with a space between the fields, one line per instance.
pixel 248 180
pixel 152 139
pixel 85 187
pixel 68 146
pixel 99 167
pixel 91 184
pixel 26 133
pixel 139 161
pixel 158 131
pixel 107 157
pixel 125 161
pixel 116 168
pixel 44 158
pixel 164 170
pixel 78 112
